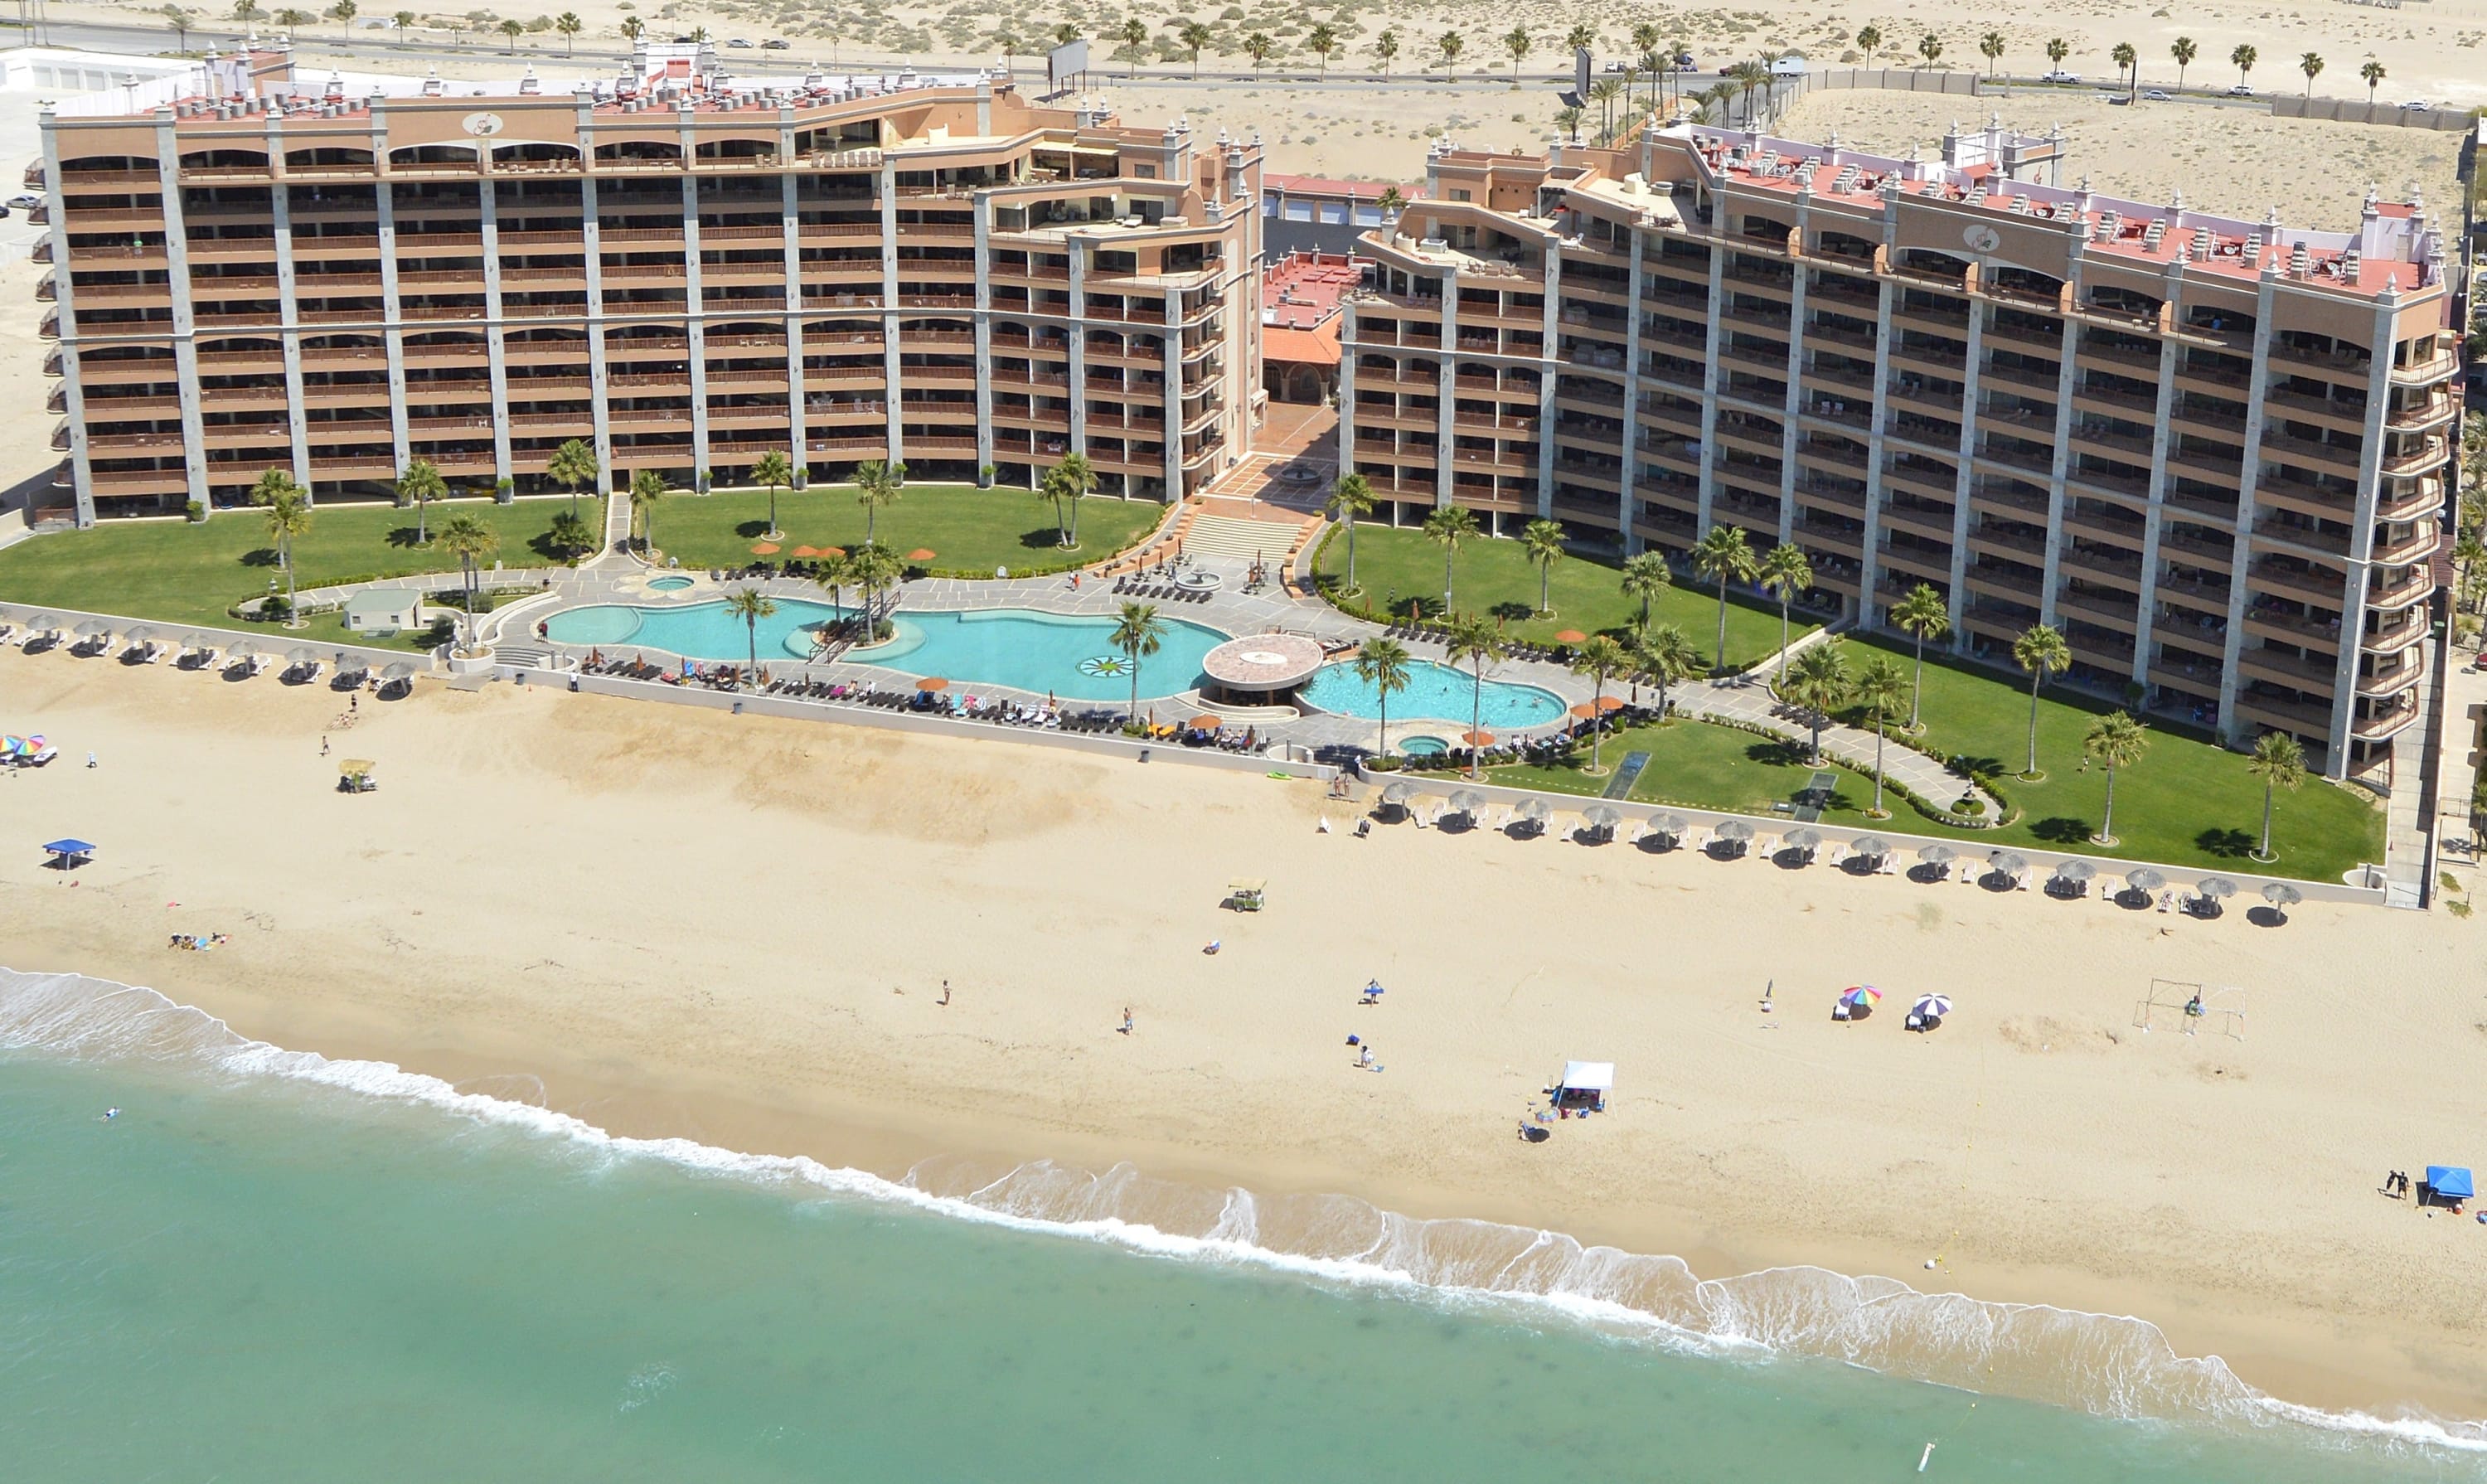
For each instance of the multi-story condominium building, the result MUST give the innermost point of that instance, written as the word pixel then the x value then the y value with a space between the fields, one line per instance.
pixel 336 276
pixel 2211 452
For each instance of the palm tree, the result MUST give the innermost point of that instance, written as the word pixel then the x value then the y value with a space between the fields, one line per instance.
pixel 1385 46
pixel 2114 740
pixel 1602 659
pixel 751 604
pixel 631 28
pixel 1748 78
pixel 574 465
pixel 2057 49
pixel 1475 641
pixel 2041 648
pixel 1819 683
pixel 1258 47
pixel 471 541
pixel 1667 654
pixel 2310 63
pixel 1990 47
pixel 876 485
pixel 1194 35
pixel 1055 490
pixel 1870 40
pixel 513 29
pixel 569 25
pixel 873 571
pixel 1383 664
pixel 2374 72
pixel 1604 93
pixel 403 21
pixel 1542 542
pixel 2184 52
pixel 1930 47
pixel 1724 556
pixel 1447 526
pixel 1321 41
pixel 2242 59
pixel 343 12
pixel 293 20
pixel 1134 36
pixel 837 572
pixel 288 519
pixel 2279 762
pixel 647 488
pixel 1922 615
pixel 1646 576
pixel 2128 65
pixel 1785 571
pixel 179 20
pixel 1137 633
pixel 1583 37
pixel 1518 42
pixel 1350 498
pixel 1450 45
pixel 776 471
pixel 418 485
pixel 1878 688
pixel 1078 480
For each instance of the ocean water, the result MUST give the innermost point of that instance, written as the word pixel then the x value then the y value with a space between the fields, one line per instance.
pixel 272 1266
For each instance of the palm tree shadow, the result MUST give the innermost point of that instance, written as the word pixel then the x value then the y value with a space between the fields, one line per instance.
pixel 2062 830
pixel 2227 844
pixel 1512 612
pixel 407 537
pixel 751 530
pixel 264 556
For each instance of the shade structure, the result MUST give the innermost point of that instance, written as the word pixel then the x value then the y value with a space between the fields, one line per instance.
pixel 1262 663
pixel 1570 637
pixel 142 635
pixel 1467 802
pixel 69 852
pixel 1735 829
pixel 1589 1076
pixel 2006 863
pixel 93 628
pixel 45 623
pixel 244 649
pixel 400 671
pixel 1611 703
pixel 356 767
pixel 303 654
pixel 1804 840
pixel 1936 1005
pixel 1397 794
pixel 1671 825
pixel 1208 723
pixel 1603 818
pixel 198 643
pixel 352 664
pixel 2281 894
pixel 1477 739
pixel 1938 855
pixel 922 554
pixel 1872 847
pixel 932 683
pixel 1585 710
pixel 2216 887
pixel 2450 1181
pixel 2075 870
pixel 807 552
pixel 1860 995
pixel 1536 811
pixel 763 548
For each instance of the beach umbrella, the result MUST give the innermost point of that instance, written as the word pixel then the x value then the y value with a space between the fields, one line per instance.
pixel 2452 1181
pixel 1208 723
pixel 2006 863
pixel 2216 887
pixel 1938 855
pixel 45 623
pixel 400 671
pixel 1570 636
pixel 1805 840
pixel 68 851
pixel 922 554
pixel 199 643
pixel 142 635
pixel 763 548
pixel 1736 830
pixel 93 628
pixel 1860 995
pixel 352 664
pixel 2144 879
pixel 1671 825
pixel 1536 811
pixel 2075 871
pixel 807 550
pixel 1934 1005
pixel 1871 847
pixel 356 768
pixel 244 649
pixel 932 683
pixel 300 654
pixel 1478 739
pixel 2280 894
pixel 1601 819
pixel 1467 802
pixel 1397 794
pixel 1585 710
pixel 11 747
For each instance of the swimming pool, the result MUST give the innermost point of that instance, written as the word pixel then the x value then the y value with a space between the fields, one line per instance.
pixel 1017 647
pixel 668 584
pixel 1434 691
pixel 1421 746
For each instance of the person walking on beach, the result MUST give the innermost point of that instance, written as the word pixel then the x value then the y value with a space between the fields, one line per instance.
pixel 323 746
pixel 1127 1019
pixel 945 991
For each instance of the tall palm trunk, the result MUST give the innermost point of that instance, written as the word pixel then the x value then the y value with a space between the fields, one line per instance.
pixel 2035 677
pixel 1597 727
pixel 1449 556
pixel 751 637
pixel 1075 520
pixel 1133 655
pixel 1476 723
pixel 1917 687
pixel 1877 762
pixel 1351 551
pixel 2106 830
pixel 1722 623
pixel 1783 639
pixel 2266 820
pixel 1384 743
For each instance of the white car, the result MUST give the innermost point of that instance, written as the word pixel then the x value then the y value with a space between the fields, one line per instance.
pixel 25 203
pixel 2156 95
pixel 2241 91
pixel 2061 77
pixel 2417 105
pixel 739 43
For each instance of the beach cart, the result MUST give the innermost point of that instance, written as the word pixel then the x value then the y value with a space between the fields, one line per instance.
pixel 1245 893
pixel 354 775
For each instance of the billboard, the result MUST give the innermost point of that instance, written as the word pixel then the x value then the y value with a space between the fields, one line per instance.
pixel 1064 63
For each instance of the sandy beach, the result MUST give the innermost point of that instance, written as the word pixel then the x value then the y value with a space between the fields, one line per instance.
pixel 736 928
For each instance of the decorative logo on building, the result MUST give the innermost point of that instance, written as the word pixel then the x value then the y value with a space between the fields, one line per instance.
pixel 483 126
pixel 1982 239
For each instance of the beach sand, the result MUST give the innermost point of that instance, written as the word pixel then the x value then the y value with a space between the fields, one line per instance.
pixel 735 929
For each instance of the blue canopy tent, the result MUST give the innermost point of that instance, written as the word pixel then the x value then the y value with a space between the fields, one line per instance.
pixel 2448 1184
pixel 69 855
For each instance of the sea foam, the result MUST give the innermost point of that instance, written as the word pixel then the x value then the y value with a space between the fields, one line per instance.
pixel 2108 1365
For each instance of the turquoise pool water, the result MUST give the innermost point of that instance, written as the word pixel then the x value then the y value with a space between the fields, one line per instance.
pixel 669 584
pixel 1037 651
pixel 1434 691
pixel 1423 746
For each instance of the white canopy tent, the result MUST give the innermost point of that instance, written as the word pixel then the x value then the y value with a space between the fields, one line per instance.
pixel 1585 1085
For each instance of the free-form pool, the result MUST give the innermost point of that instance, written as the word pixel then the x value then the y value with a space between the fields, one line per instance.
pixel 1434 691
pixel 1072 657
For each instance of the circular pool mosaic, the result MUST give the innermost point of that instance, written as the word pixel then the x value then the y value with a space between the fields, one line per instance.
pixel 1104 665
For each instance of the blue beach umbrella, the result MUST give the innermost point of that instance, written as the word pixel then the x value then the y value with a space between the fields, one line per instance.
pixel 2450 1181
pixel 69 852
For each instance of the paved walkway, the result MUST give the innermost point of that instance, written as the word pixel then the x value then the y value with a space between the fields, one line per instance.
pixel 1747 699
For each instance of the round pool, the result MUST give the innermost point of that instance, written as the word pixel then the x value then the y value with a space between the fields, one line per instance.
pixel 668 584
pixel 1423 746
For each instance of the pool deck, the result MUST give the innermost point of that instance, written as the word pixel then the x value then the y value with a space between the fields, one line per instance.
pixel 1745 700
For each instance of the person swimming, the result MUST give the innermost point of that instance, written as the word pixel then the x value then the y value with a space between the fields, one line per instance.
pixel 109 1114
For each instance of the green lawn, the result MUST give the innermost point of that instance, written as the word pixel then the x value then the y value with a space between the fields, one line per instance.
pixel 1703 766
pixel 969 530
pixel 179 573
pixel 2186 803
pixel 1402 567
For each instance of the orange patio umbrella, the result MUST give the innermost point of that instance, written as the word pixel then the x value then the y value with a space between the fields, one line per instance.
pixel 806 552
pixel 1570 636
pixel 921 555
pixel 763 548
pixel 1477 739
pixel 1585 710
pixel 1206 723
pixel 1611 703
pixel 932 683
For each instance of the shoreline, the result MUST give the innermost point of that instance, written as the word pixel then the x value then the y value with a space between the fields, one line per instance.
pixel 730 930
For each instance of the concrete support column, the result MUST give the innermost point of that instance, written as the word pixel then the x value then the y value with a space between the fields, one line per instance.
pixel 2154 509
pixel 1710 374
pixel 288 335
pixel 1795 401
pixel 599 387
pixel 185 326
pixel 2240 584
pixel 2361 541
pixel 798 438
pixel 2059 464
pixel 1174 395
pixel 495 350
pixel 984 331
pixel 1076 366
pixel 890 353
pixel 1447 370
pixel 64 298
pixel 1965 474
pixel 1549 357
pixel 694 316
pixel 1628 499
pixel 1348 354
pixel 393 320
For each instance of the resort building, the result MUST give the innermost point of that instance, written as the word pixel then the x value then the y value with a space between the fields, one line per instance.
pixel 1315 213
pixel 2211 452
pixel 1302 294
pixel 338 275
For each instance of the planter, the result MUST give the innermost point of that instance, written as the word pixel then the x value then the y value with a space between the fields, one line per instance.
pixel 480 663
